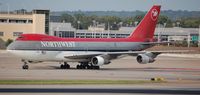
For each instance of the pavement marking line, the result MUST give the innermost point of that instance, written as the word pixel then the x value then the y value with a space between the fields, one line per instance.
pixel 65 82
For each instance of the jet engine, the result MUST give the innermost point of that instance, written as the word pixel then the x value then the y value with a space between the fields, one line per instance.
pixel 145 58
pixel 100 60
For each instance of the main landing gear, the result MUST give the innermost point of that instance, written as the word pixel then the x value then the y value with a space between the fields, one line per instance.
pixel 83 65
pixel 25 66
pixel 64 66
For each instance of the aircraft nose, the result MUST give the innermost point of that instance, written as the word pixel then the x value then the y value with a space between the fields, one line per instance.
pixel 10 46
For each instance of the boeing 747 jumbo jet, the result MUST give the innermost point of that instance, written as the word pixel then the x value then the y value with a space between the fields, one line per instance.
pixel 90 53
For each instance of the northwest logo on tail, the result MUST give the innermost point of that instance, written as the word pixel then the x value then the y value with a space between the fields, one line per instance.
pixel 154 14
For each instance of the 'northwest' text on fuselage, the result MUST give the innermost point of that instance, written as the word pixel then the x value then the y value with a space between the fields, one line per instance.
pixel 57 44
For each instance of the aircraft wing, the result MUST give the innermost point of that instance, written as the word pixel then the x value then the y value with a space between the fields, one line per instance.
pixel 92 54
pixel 88 54
pixel 80 56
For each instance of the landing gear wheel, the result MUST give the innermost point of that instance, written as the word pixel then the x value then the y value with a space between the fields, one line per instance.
pixel 87 66
pixel 83 67
pixel 80 67
pixel 25 66
pixel 61 66
pixel 65 66
pixel 96 67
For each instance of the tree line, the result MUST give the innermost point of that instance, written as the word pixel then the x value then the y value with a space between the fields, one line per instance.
pixel 82 21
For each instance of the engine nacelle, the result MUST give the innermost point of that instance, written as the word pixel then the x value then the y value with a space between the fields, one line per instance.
pixel 100 60
pixel 145 58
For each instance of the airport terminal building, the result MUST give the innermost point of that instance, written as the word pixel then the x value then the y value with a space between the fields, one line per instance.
pixel 163 34
pixel 12 24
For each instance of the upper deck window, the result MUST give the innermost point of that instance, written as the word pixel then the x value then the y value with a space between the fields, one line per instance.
pixel 17 33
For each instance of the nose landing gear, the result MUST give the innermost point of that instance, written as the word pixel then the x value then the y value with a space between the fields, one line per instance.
pixel 25 66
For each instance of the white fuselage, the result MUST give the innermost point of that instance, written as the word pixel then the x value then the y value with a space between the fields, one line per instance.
pixel 57 56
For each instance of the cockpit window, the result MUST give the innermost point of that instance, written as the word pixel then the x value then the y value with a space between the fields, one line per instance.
pixel 20 37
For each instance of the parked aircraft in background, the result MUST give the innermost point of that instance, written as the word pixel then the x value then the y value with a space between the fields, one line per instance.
pixel 89 52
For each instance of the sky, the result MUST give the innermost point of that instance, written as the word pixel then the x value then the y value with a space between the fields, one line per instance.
pixel 98 5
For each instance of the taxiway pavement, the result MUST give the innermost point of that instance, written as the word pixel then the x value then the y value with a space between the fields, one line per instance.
pixel 182 74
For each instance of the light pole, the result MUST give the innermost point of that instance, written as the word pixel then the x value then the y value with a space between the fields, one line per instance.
pixel 108 30
pixel 94 26
pixel 120 23
pixel 0 6
pixel 199 37
pixel 188 40
pixel 159 32
pixel 165 25
pixel 136 22
pixel 164 30
pixel 95 31
pixel 94 22
pixel 168 40
pixel 131 24
pixel 58 31
pixel 178 23
pixel 8 8
pixel 78 24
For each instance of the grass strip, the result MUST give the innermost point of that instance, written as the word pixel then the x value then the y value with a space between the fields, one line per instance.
pixel 68 82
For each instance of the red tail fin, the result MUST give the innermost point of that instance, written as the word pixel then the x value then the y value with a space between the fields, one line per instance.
pixel 145 30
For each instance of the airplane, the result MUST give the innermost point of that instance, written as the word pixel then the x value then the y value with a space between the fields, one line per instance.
pixel 90 53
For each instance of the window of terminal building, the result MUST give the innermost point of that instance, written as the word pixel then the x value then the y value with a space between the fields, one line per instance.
pixel 30 21
pixel 1 33
pixel 16 34
pixel 20 21
pixel 88 33
pixel 67 34
pixel 12 21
